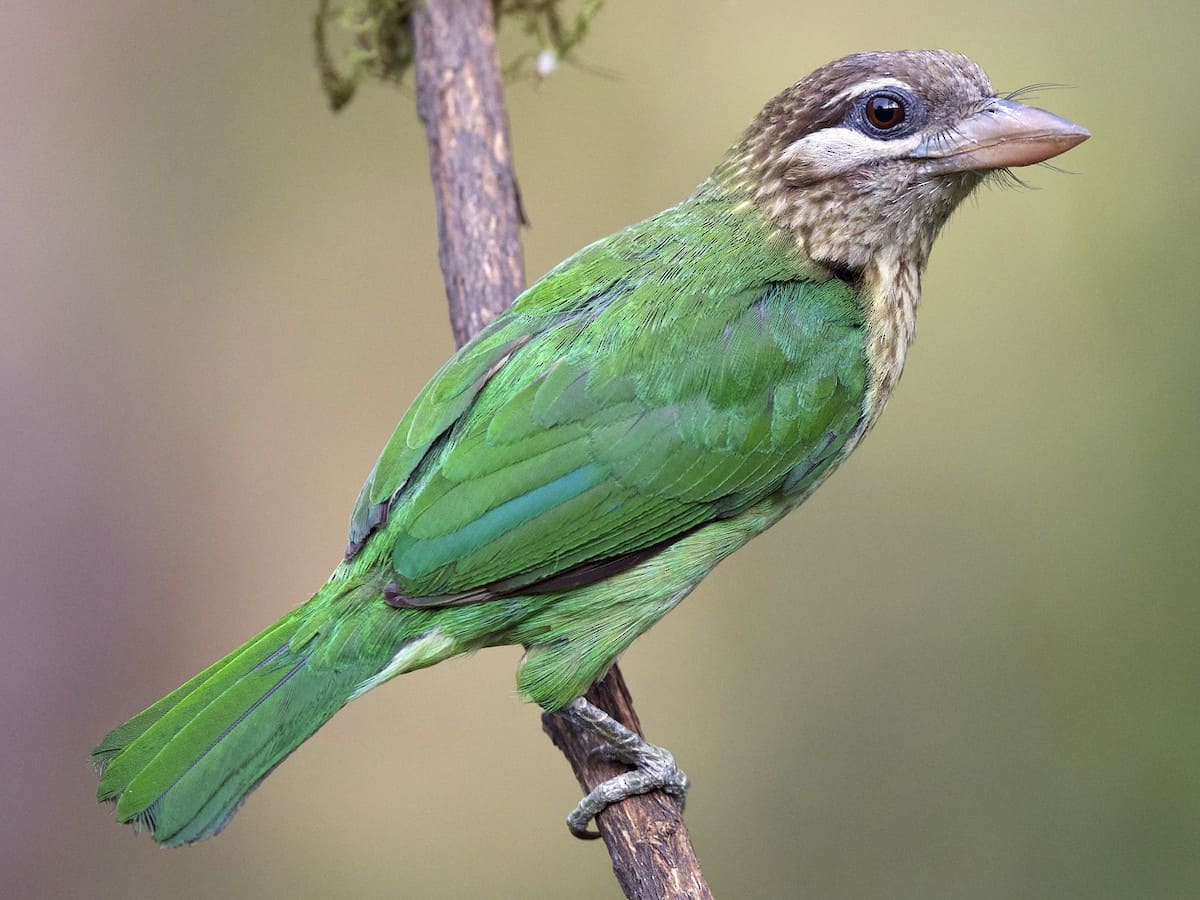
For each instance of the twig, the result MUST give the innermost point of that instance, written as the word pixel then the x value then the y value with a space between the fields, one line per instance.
pixel 651 849
pixel 460 101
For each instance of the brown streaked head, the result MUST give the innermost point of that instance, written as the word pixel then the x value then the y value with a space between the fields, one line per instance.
pixel 867 157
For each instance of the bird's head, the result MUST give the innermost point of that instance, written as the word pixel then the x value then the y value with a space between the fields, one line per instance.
pixel 868 156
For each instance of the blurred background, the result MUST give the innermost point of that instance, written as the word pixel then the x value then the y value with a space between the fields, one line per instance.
pixel 967 668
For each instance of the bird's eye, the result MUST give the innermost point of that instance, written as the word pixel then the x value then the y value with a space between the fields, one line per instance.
pixel 885 112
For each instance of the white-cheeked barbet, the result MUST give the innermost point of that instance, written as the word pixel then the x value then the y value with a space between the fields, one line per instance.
pixel 643 410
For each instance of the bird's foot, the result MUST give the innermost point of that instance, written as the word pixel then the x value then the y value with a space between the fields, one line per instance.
pixel 653 767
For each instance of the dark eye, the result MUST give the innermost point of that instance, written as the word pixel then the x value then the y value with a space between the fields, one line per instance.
pixel 885 112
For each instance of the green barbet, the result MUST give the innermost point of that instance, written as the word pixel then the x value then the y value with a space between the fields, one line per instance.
pixel 640 413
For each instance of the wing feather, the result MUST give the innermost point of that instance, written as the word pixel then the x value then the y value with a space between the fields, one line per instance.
pixel 573 433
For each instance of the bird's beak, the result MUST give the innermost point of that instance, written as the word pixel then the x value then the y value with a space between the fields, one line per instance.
pixel 1004 133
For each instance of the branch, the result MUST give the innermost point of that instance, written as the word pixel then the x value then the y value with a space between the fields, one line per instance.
pixel 460 100
pixel 651 849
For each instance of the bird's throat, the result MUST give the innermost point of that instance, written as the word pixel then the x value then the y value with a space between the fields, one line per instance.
pixel 891 292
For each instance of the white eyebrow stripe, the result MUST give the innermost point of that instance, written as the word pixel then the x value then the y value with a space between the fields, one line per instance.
pixel 864 87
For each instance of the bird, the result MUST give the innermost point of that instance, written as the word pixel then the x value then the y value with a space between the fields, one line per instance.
pixel 643 410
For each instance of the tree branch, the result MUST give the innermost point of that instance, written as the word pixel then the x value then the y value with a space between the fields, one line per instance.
pixel 652 853
pixel 460 101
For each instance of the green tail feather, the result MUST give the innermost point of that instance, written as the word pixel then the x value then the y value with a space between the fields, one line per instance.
pixel 182 767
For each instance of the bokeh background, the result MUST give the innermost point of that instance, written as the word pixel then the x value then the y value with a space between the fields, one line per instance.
pixel 968 668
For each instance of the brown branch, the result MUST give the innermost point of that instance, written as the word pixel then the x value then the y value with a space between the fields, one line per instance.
pixel 460 100
pixel 651 849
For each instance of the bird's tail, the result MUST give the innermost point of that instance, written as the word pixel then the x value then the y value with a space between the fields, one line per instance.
pixel 182 767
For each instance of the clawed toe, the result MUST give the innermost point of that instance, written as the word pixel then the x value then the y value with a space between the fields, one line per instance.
pixel 654 768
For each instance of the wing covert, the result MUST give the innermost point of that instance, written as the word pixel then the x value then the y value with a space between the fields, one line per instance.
pixel 623 428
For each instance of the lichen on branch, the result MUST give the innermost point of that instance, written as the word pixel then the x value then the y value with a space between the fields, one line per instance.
pixel 378 45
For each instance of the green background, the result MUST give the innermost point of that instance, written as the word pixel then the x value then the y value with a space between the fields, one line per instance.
pixel 967 668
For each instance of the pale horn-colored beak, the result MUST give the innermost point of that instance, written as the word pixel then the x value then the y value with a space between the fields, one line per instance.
pixel 1004 133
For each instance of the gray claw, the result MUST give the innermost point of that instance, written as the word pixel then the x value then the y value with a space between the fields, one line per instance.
pixel 654 767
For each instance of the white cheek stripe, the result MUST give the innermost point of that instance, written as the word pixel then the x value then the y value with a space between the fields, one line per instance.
pixel 835 146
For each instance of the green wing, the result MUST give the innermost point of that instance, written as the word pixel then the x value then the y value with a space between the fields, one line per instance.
pixel 572 433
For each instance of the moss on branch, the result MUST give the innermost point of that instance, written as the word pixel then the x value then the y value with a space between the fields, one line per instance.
pixel 377 44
